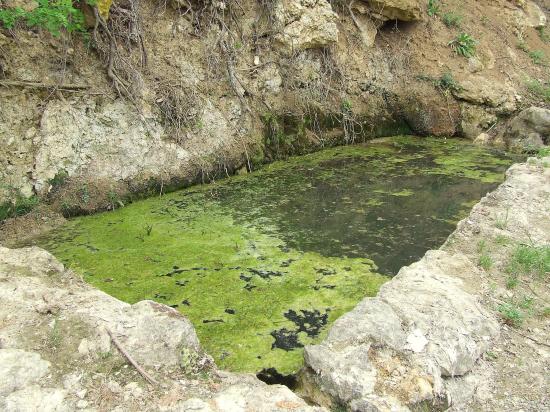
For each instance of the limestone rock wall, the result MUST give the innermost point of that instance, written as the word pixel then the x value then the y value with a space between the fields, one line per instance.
pixel 219 87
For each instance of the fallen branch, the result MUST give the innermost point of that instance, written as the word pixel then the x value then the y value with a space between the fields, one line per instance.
pixel 39 85
pixel 145 375
pixel 538 342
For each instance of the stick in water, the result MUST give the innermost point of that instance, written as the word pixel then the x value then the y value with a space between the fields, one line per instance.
pixel 145 375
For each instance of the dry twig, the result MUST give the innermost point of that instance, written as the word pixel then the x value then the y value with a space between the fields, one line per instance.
pixel 145 375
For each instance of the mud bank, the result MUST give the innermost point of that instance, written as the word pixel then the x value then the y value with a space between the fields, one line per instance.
pixel 419 343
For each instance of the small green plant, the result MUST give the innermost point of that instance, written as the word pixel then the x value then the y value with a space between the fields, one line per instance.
pixel 511 282
pixel 510 314
pixel 530 260
pixel 481 246
pixel 522 46
pixel 464 45
pixel 502 240
pixel 18 206
pixel 447 82
pixel 54 336
pixel 537 56
pixel 433 8
pixel 84 194
pixel 346 106
pixel 501 221
pixel 486 262
pixel 546 312
pixel 491 355
pixel 148 229
pixel 539 89
pixel 58 179
pixel 543 152
pixel 51 15
pixel 543 35
pixel 451 19
pixel 527 304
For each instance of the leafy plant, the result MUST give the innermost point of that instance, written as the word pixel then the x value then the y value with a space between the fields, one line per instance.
pixel 501 221
pixel 530 260
pixel 451 19
pixel 537 56
pixel 539 89
pixel 543 35
pixel 18 206
pixel 433 8
pixel 510 314
pixel 447 82
pixel 59 178
pixel 464 45
pixel 543 152
pixel 512 281
pixel 51 15
pixel 486 262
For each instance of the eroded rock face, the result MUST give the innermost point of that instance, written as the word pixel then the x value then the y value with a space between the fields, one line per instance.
pixel 305 24
pixel 482 91
pixel 404 345
pixel 404 10
pixel 530 129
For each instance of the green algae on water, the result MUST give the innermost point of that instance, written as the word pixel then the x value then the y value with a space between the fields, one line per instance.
pixel 262 264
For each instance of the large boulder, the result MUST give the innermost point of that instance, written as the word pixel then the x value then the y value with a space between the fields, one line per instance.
pixel 406 345
pixel 481 91
pixel 305 24
pixel 530 129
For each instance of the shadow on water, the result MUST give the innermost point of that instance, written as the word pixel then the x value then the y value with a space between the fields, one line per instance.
pixel 262 264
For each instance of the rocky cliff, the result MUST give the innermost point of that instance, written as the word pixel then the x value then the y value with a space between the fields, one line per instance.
pixel 164 93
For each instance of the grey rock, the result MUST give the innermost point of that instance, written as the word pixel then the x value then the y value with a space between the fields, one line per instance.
pixel 529 129
pixel 305 24
pixel 421 330
pixel 19 368
pixel 34 398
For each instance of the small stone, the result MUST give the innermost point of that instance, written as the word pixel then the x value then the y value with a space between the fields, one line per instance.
pixel 81 404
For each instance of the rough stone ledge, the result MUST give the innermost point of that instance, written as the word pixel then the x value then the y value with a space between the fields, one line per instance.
pixel 56 353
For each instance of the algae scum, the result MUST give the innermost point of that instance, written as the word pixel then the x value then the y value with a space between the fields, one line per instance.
pixel 263 263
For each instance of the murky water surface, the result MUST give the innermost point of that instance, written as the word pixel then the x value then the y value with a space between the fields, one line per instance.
pixel 262 264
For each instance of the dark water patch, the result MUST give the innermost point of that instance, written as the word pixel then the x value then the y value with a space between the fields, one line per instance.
pixel 272 377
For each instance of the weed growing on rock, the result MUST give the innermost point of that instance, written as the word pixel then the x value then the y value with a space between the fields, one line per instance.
pixel 543 35
pixel 510 314
pixel 433 8
pixel 530 260
pixel 451 19
pixel 486 262
pixel 539 89
pixel 464 45
pixel 537 56
pixel 543 152
pixel 17 206
pixel 501 221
